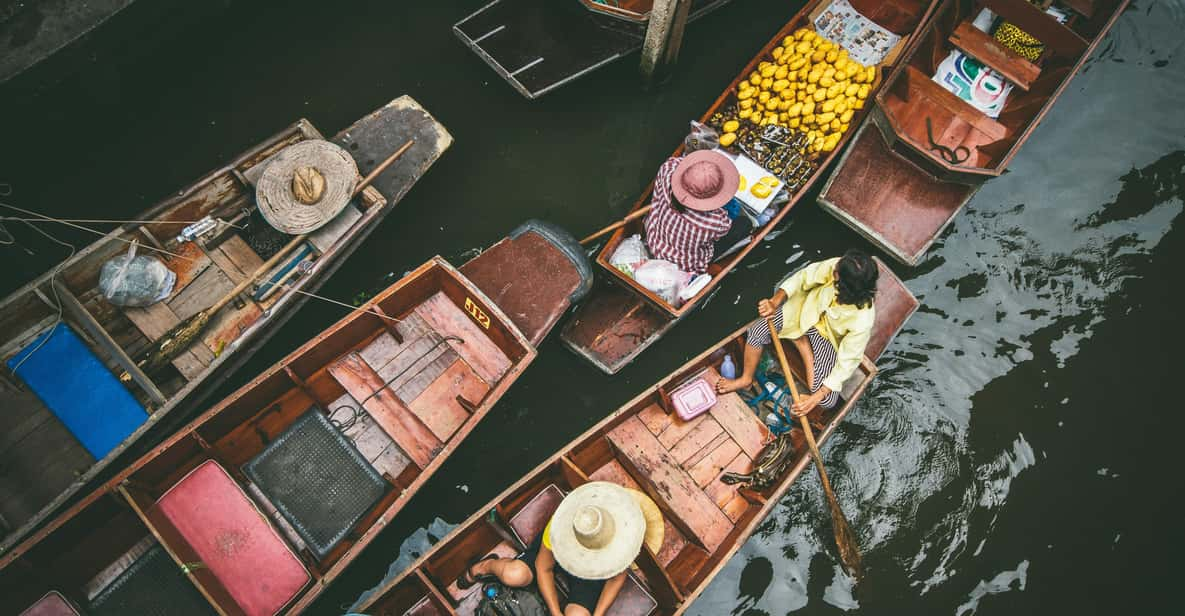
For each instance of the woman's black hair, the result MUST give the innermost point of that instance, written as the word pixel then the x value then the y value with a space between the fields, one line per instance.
pixel 857 274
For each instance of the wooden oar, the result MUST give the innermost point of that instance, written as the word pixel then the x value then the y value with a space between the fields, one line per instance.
pixel 173 342
pixel 640 212
pixel 845 539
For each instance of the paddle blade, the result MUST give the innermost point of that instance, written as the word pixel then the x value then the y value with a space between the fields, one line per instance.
pixel 845 540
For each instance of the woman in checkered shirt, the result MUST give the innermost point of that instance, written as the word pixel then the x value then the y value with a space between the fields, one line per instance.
pixel 688 222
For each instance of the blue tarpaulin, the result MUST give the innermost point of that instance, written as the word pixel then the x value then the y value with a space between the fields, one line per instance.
pixel 79 390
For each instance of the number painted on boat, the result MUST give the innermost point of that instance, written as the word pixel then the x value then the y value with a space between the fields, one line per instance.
pixel 477 313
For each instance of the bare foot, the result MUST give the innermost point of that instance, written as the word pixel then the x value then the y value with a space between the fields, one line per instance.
pixel 725 386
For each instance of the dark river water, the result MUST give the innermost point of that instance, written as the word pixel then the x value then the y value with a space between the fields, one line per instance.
pixel 1017 454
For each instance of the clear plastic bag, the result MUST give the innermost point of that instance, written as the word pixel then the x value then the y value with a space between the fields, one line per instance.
pixel 701 137
pixel 630 254
pixel 131 280
pixel 664 278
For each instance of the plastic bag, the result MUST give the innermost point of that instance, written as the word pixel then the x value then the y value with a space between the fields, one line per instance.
pixel 630 254
pixel 130 280
pixel 701 137
pixel 664 278
pixel 968 78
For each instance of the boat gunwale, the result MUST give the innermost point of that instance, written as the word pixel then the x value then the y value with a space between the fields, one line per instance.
pixel 435 266
pixel 981 174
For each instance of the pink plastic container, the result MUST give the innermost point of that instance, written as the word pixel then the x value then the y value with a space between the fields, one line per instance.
pixel 693 399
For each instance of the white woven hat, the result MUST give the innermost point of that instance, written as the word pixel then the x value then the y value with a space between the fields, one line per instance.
pixel 306 185
pixel 597 531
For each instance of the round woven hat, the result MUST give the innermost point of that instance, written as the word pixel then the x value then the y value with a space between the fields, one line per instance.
pixel 705 180
pixel 597 531
pixel 305 186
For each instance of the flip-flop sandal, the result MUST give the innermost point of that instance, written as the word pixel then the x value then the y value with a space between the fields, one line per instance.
pixel 467 579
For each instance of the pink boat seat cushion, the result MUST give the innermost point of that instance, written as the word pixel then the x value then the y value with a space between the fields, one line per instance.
pixel 52 604
pixel 234 540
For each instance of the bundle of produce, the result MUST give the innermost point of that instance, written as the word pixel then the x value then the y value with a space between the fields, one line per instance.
pixel 809 84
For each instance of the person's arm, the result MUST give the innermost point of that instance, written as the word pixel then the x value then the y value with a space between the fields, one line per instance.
pixel 609 594
pixel 848 356
pixel 545 580
pixel 810 276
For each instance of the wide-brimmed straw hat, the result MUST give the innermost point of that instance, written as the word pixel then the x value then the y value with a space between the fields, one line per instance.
pixel 705 180
pixel 306 185
pixel 597 530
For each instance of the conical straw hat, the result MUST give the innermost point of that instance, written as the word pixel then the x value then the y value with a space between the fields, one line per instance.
pixel 306 185
pixel 597 531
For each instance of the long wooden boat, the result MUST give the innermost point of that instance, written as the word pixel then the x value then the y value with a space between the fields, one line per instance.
pixel 646 446
pixel 262 501
pixel 540 45
pixel 52 443
pixel 622 318
pixel 896 188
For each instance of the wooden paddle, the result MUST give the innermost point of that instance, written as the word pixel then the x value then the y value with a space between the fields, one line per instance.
pixel 640 212
pixel 845 539
pixel 173 342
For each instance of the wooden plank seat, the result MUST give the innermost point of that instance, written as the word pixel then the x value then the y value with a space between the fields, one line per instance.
pixel 983 47
pixel 51 604
pixel 233 540
pixel 317 480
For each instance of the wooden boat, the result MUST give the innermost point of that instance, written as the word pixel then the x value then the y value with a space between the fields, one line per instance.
pixel 621 319
pixel 262 501
pixel 892 185
pixel 51 443
pixel 540 45
pixel 646 446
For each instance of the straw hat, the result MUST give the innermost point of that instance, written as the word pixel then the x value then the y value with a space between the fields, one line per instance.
pixel 305 186
pixel 597 531
pixel 705 180
pixel 655 527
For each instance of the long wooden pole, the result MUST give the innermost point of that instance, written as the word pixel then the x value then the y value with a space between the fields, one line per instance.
pixel 636 214
pixel 845 539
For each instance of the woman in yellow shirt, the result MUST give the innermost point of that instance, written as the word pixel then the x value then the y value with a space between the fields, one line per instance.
pixel 830 304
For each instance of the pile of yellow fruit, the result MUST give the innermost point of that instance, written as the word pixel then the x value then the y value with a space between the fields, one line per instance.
pixel 810 85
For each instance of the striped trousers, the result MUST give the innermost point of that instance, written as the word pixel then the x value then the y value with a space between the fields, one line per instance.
pixel 759 336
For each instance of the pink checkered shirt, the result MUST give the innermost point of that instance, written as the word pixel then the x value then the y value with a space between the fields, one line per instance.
pixel 684 239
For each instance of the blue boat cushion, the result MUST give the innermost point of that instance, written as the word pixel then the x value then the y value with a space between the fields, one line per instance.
pixel 77 388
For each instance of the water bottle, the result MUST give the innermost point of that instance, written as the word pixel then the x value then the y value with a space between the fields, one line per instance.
pixel 728 369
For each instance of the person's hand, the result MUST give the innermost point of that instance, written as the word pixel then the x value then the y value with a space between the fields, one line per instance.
pixel 766 308
pixel 807 404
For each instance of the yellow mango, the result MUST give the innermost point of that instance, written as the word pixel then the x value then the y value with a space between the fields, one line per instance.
pixel 781 73
pixel 841 64
pixel 785 105
pixel 841 106
pixel 843 128
pixel 828 105
pixel 766 83
pixel 808 107
pixel 807 34
pixel 794 122
pixel 843 53
pixel 762 97
pixel 810 88
pixel 756 117
pixel 860 104
pixel 808 118
pixel 846 116
pixel 760 191
pixel 835 124
pixel 755 78
pixel 819 95
pixel 782 117
pixel 813 77
pixel 728 138
pixel 862 93
pixel 826 46
pixel 834 91
pixel 826 82
pixel 789 41
pixel 746 104
pixel 779 85
pixel 747 93
pixel 795 109
pixel 832 55
pixel 851 90
pixel 830 142
pixel 787 94
pixel 744 113
pixel 797 64
pixel 802 47
pixel 801 95
pixel 731 126
pixel 829 72
pixel 803 72
pixel 825 117
pixel 870 74
pixel 818 56
pixel 777 52
pixel 769 71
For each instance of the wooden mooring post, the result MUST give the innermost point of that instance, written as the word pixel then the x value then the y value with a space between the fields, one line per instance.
pixel 664 35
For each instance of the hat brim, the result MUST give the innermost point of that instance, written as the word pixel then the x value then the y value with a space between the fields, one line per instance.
pixel 629 532
pixel 728 189
pixel 280 207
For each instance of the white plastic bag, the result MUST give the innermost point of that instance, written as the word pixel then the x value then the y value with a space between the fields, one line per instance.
pixel 664 278
pixel 130 280
pixel 969 79
pixel 630 254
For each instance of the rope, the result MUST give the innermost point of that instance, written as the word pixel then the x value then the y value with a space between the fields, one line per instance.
pixel 125 222
pixel 947 154
pixel 44 218
pixel 56 298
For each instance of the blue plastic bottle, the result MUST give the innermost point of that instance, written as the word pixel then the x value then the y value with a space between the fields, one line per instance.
pixel 728 369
